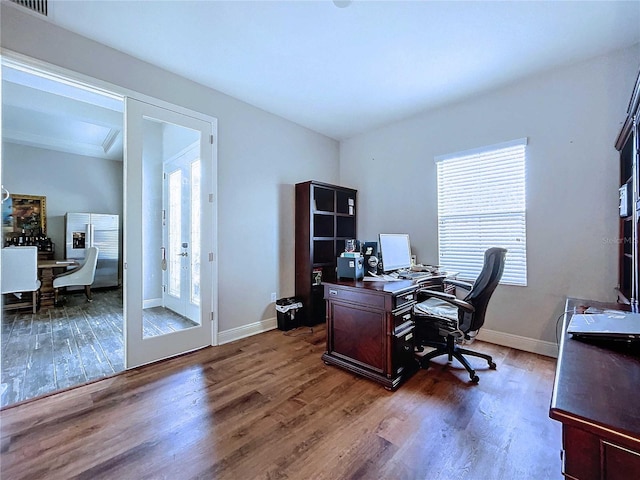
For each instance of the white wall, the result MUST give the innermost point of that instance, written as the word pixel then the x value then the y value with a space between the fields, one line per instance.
pixel 71 183
pixel 571 117
pixel 260 158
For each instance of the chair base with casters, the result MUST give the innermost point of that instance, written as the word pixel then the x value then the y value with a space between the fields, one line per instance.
pixel 452 350
pixel 447 322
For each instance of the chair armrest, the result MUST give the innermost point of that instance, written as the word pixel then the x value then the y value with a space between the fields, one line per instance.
pixel 458 283
pixel 426 292
pixel 447 297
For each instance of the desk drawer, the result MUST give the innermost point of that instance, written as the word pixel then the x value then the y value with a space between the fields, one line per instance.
pixel 358 296
pixel 402 316
pixel 588 456
pixel 403 299
pixel 403 356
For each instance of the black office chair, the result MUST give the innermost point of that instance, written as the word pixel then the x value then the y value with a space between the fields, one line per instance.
pixel 444 321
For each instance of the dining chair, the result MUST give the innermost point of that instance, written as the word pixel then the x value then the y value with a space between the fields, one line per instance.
pixel 20 277
pixel 81 276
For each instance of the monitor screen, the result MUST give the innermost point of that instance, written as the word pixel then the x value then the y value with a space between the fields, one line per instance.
pixel 396 251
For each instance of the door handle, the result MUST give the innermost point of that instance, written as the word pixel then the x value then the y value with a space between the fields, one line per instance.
pixel 183 254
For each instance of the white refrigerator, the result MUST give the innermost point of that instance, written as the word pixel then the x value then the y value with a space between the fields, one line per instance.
pixel 84 230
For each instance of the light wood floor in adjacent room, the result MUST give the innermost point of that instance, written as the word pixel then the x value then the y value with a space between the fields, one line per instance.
pixel 267 407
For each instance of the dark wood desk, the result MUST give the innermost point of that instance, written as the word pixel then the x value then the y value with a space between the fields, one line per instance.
pixel 46 271
pixel 596 396
pixel 370 328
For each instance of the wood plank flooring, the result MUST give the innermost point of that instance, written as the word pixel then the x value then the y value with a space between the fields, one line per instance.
pixel 267 407
pixel 57 348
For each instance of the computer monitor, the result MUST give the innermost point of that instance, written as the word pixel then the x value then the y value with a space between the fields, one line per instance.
pixel 396 251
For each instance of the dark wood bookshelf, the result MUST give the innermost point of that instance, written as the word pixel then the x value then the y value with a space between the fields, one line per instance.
pixel 325 219
pixel 628 144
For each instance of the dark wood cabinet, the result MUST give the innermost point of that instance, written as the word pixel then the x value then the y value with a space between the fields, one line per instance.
pixel 628 144
pixel 587 456
pixel 325 218
pixel 370 329
pixel 595 397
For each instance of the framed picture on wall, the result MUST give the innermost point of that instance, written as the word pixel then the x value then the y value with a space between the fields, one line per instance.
pixel 26 212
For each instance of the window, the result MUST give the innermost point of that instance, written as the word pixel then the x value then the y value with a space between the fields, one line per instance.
pixel 481 204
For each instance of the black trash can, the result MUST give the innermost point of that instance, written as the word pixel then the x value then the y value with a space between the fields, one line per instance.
pixel 288 310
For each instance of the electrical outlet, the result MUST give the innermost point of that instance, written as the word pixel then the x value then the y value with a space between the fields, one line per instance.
pixel 273 296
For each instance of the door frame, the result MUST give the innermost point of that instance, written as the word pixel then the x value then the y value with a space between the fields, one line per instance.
pixel 64 75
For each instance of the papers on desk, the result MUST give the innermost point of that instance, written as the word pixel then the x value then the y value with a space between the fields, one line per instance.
pixel 372 277
pixel 381 278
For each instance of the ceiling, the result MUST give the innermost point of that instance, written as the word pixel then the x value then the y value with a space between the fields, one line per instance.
pixel 343 71
pixel 42 112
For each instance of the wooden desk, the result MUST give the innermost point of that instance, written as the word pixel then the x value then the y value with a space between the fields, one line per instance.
pixel 46 271
pixel 370 328
pixel 596 396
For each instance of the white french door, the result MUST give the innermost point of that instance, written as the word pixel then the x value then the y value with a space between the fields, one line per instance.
pixel 169 232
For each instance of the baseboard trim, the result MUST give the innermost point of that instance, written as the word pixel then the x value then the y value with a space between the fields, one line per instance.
pixel 244 331
pixel 548 349
pixel 154 302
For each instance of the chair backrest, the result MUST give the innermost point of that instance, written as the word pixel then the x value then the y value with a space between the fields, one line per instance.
pixel 483 288
pixel 19 269
pixel 83 275
pixel 91 260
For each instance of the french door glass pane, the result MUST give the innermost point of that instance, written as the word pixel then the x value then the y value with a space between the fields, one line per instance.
pixel 195 231
pixel 175 220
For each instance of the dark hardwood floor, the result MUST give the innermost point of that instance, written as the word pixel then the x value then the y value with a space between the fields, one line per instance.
pixel 267 407
pixel 60 347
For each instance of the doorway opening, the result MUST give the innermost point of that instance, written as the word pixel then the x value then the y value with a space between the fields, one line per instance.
pixel 63 141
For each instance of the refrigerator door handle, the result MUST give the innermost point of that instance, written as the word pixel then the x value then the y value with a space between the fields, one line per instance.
pixel 87 234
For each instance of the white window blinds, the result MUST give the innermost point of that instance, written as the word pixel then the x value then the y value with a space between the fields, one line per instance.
pixel 481 204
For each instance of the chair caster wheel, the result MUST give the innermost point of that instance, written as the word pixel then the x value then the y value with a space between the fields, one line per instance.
pixel 475 379
pixel 492 365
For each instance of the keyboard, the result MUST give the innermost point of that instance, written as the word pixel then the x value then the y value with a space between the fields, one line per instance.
pixel 413 275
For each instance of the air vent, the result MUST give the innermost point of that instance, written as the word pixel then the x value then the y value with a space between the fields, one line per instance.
pixel 39 6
